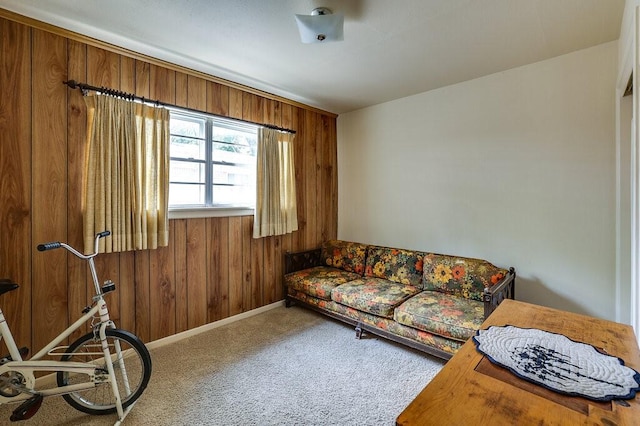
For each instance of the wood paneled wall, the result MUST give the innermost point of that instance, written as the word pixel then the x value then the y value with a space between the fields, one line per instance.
pixel 212 268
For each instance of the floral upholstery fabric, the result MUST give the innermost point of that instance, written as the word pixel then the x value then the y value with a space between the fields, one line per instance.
pixel 344 255
pixel 460 276
pixel 397 265
pixel 310 300
pixel 442 314
pixel 318 281
pixel 373 295
pixel 433 340
pixel 445 344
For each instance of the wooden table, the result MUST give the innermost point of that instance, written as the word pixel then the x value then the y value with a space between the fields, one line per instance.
pixel 470 390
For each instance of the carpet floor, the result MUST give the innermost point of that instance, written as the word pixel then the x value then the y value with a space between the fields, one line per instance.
pixel 280 367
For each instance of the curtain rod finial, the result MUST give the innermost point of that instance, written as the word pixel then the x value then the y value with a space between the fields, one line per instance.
pixel 71 83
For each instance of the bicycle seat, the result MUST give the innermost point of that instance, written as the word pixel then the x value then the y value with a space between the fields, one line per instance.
pixel 6 285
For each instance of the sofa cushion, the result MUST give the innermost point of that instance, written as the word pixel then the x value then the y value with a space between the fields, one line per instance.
pixel 344 255
pixel 397 265
pixel 318 281
pixel 460 276
pixel 442 314
pixel 373 295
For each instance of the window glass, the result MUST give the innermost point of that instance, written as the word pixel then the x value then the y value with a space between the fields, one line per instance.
pixel 213 162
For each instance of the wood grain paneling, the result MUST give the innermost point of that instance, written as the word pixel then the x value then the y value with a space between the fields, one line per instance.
pixel 213 268
pixel 142 285
pixel 196 93
pixel 16 175
pixel 330 177
pixel 76 135
pixel 49 186
pixel 217 98
pixel 235 266
pixel 163 87
pixel 181 89
pixel 303 175
pixel 235 103
pixel 181 252
pixel 218 295
pixel 311 174
pixel 196 272
pixel 162 295
pixel 246 223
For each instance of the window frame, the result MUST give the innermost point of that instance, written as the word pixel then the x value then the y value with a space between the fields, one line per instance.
pixel 209 208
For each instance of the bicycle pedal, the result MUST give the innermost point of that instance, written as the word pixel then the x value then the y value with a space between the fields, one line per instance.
pixel 27 409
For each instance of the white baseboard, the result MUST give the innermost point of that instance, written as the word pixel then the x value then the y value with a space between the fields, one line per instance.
pixel 50 379
pixel 195 331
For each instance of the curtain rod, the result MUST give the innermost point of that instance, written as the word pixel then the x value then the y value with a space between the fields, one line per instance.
pixel 84 88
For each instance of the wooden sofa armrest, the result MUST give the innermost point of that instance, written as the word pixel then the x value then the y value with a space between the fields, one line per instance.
pixel 302 260
pixel 495 294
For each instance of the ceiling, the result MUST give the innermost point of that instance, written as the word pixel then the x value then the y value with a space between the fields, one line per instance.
pixel 391 49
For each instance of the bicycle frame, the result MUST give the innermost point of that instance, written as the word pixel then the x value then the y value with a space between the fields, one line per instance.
pixel 26 368
pixel 36 363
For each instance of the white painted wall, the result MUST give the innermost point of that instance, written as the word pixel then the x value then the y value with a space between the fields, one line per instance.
pixel 517 168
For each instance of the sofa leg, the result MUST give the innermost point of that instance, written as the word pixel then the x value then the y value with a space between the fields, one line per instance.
pixel 358 331
pixel 287 302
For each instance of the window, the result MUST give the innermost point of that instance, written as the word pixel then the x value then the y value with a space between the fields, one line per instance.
pixel 213 162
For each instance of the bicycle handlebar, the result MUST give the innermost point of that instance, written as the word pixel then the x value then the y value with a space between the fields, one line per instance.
pixel 49 246
pixel 57 244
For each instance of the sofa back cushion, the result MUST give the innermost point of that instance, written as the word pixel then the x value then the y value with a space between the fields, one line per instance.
pixel 460 276
pixel 344 255
pixel 397 265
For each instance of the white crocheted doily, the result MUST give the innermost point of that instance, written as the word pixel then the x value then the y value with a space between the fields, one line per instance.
pixel 558 363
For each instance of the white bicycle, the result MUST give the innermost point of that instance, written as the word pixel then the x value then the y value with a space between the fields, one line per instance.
pixel 103 372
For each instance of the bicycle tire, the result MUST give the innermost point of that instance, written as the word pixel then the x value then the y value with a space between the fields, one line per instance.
pixel 99 400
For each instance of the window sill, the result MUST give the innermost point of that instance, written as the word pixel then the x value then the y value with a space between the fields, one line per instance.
pixel 199 212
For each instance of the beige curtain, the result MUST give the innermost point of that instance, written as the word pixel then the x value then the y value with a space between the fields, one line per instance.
pixel 127 175
pixel 275 212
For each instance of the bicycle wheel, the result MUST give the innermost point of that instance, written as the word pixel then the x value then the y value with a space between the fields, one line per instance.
pixel 99 400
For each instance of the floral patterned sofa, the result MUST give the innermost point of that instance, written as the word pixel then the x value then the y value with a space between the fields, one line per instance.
pixel 431 302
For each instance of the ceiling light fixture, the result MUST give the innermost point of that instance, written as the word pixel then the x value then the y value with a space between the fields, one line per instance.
pixel 321 26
